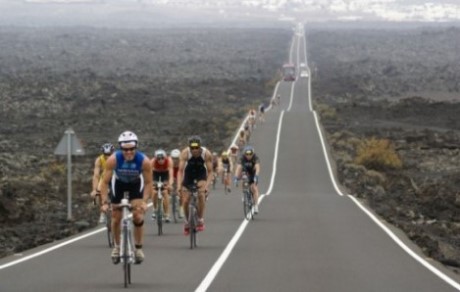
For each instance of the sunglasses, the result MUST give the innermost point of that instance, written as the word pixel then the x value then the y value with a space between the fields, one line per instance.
pixel 160 157
pixel 194 147
pixel 248 153
pixel 128 149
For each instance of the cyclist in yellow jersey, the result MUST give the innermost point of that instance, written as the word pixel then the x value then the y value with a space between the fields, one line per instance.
pixel 98 172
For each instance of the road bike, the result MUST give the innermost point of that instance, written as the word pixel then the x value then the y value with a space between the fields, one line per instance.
pixel 108 222
pixel 193 213
pixel 175 203
pixel 159 185
pixel 248 202
pixel 126 239
pixel 214 180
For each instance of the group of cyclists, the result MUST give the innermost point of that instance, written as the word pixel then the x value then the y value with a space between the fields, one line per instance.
pixel 128 171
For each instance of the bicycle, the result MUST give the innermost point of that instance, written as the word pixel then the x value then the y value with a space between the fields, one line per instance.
pixel 248 202
pixel 159 185
pixel 126 240
pixel 108 222
pixel 214 180
pixel 193 214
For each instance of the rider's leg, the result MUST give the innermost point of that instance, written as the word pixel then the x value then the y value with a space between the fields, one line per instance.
pixel 116 218
pixel 201 198
pixel 166 202
pixel 138 221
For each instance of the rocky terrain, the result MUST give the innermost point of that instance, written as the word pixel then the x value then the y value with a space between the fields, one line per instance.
pixel 389 102
pixel 163 84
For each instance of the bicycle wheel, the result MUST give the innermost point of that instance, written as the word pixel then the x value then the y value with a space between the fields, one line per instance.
pixel 192 226
pixel 108 225
pixel 126 263
pixel 160 216
pixel 246 206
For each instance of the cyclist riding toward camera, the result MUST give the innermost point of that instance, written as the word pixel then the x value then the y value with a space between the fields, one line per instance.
pixel 175 154
pixel 132 174
pixel 195 164
pixel 98 173
pixel 162 167
pixel 225 169
pixel 250 164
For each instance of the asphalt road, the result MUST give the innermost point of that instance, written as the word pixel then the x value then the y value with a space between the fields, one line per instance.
pixel 307 237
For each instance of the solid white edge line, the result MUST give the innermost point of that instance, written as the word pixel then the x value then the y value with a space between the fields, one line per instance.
pixel 210 276
pixel 62 244
pixel 394 237
pixel 401 244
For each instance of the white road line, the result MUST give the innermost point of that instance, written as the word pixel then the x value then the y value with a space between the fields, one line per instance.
pixel 54 247
pixel 401 244
pixel 204 285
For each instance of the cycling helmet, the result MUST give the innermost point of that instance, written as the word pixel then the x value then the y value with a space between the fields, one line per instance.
pixel 127 137
pixel 249 150
pixel 107 148
pixel 175 153
pixel 160 153
pixel 194 141
pixel 224 153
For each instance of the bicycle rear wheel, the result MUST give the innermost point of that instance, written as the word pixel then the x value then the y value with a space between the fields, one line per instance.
pixel 160 216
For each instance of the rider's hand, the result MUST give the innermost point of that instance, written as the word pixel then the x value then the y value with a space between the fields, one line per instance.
pixel 144 206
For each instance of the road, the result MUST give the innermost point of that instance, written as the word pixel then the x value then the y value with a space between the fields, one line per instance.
pixel 309 236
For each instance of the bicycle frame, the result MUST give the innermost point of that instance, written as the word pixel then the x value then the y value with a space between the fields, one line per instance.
pixel 126 240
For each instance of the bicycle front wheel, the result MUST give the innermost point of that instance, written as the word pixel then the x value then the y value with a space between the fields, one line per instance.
pixel 126 262
pixel 247 206
pixel 192 226
pixel 108 225
pixel 160 217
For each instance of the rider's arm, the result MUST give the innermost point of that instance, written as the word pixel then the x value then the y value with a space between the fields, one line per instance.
pixel 148 180
pixel 208 162
pixel 170 171
pixel 104 185
pixel 96 175
pixel 257 168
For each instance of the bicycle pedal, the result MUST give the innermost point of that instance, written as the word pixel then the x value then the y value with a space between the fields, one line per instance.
pixel 115 260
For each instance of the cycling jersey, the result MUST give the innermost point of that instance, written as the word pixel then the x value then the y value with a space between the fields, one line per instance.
pixel 195 168
pixel 249 165
pixel 226 163
pixel 161 171
pixel 129 171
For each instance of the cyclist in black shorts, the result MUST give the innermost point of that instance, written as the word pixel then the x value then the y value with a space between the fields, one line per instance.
pixel 129 171
pixel 250 163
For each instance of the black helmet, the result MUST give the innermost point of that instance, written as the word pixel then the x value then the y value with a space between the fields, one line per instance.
pixel 107 148
pixel 249 150
pixel 194 141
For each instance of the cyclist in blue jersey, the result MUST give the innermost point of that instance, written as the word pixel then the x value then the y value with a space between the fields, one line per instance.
pixel 250 163
pixel 195 163
pixel 129 171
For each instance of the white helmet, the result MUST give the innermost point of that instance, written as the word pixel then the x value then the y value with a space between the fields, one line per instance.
pixel 127 137
pixel 160 153
pixel 175 153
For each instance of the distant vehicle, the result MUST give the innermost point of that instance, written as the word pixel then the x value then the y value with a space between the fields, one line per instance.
pixel 304 73
pixel 289 72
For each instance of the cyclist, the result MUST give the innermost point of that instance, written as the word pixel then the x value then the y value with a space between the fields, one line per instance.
pixel 132 173
pixel 175 159
pixel 262 112
pixel 225 169
pixel 98 173
pixel 242 139
pixel 162 167
pixel 195 163
pixel 252 119
pixel 234 151
pixel 250 163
